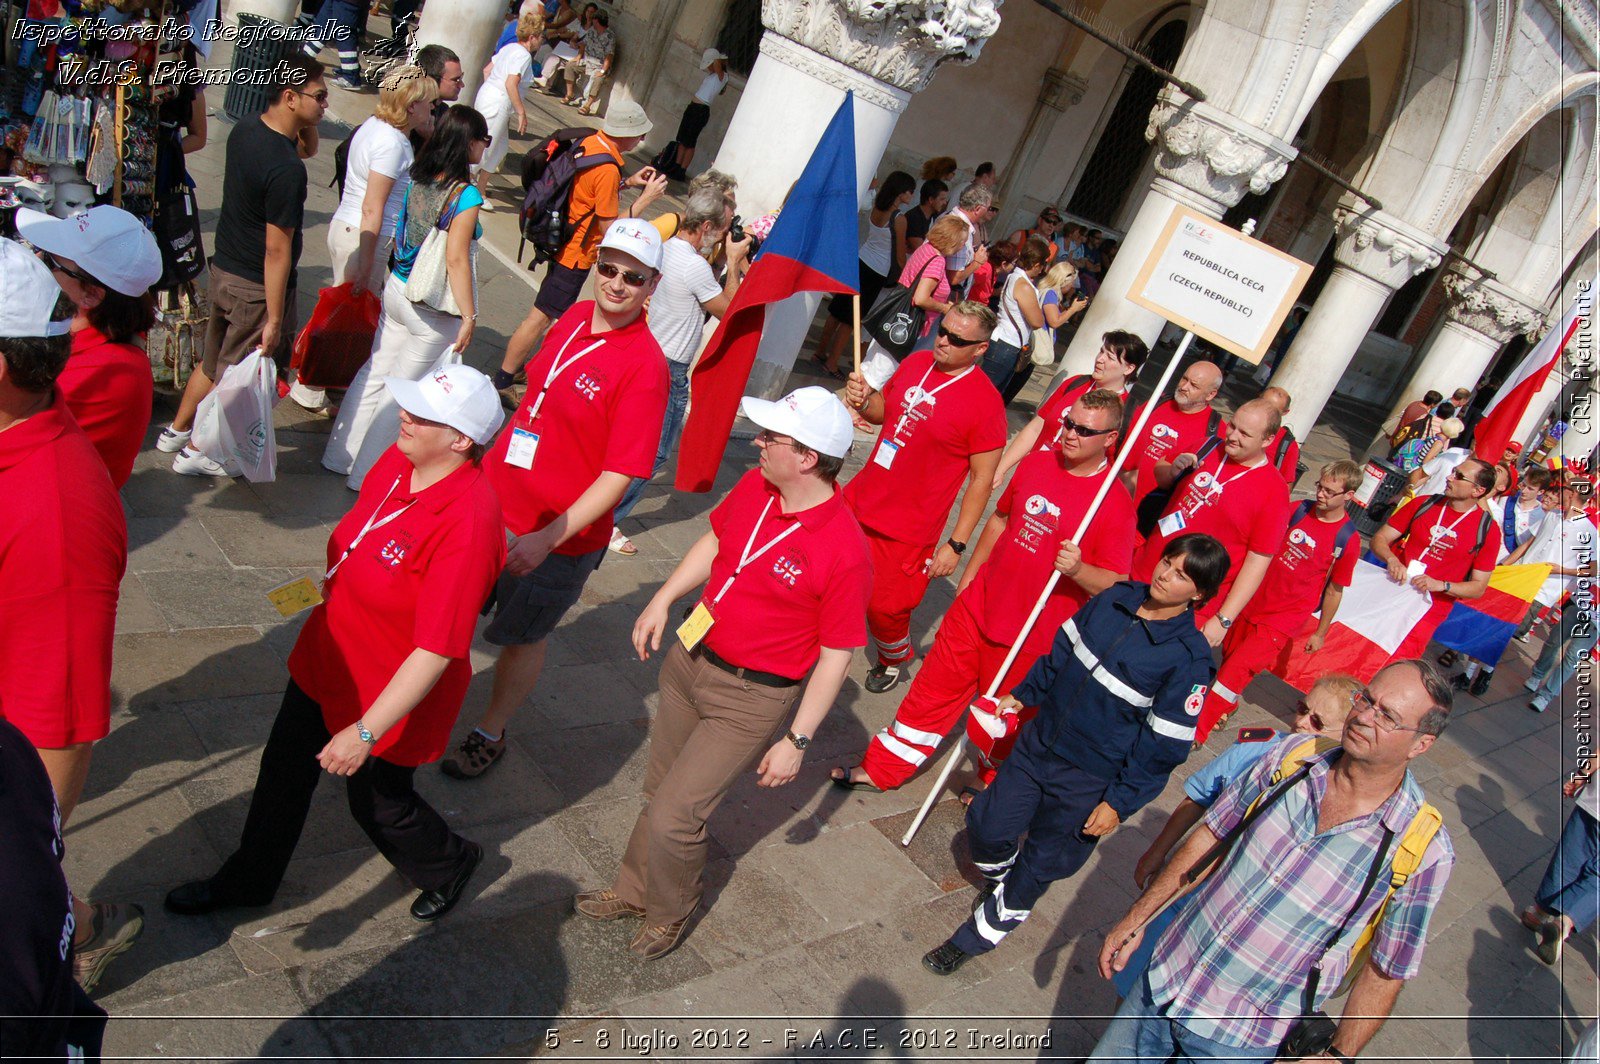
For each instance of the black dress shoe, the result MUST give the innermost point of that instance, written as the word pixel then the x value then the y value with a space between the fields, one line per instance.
pixel 1480 683
pixel 202 896
pixel 1460 682
pixel 432 904
pixel 942 960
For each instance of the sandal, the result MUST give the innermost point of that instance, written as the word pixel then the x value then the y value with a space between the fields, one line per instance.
pixel 621 544
pixel 849 784
pixel 967 796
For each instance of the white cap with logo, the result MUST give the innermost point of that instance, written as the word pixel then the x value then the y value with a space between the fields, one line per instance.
pixel 813 416
pixel 458 396
pixel 636 237
pixel 106 242
pixel 28 294
pixel 709 56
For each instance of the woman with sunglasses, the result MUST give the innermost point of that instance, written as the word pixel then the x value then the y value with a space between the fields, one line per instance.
pixel 1020 314
pixel 380 669
pixel 413 337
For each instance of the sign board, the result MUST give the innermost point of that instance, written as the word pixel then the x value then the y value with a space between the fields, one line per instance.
pixel 1223 286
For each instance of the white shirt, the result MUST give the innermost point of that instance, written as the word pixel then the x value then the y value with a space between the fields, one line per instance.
pixel 1525 522
pixel 962 256
pixel 377 147
pixel 1565 541
pixel 1589 802
pixel 710 85
pixel 515 59
pixel 677 316
pixel 1438 471
pixel 1013 328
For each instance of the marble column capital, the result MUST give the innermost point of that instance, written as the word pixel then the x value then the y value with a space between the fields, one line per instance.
pixel 899 42
pixel 1382 248
pixel 1210 152
pixel 1061 90
pixel 1488 307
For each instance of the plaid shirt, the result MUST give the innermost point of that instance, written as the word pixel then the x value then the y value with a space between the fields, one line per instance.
pixel 1234 965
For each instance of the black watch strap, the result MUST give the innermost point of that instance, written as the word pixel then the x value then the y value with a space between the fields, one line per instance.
pixel 956 545
pixel 1333 1051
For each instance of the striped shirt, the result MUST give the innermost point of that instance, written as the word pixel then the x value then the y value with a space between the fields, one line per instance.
pixel 1233 967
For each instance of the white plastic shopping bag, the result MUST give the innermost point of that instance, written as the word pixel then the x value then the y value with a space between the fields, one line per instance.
pixel 234 423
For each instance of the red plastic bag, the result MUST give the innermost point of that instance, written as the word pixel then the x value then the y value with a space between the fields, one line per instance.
pixel 338 338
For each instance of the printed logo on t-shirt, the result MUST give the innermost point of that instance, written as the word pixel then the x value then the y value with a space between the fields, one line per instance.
pixel 916 395
pixel 587 386
pixel 1204 480
pixel 1300 546
pixel 1041 518
pixel 787 570
pixel 1162 432
pixel 1038 504
pixel 394 551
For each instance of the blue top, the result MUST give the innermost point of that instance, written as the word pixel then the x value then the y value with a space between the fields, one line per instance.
pixel 404 254
pixel 1210 779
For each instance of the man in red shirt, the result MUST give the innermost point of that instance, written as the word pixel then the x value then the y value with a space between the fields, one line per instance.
pixel 1284 448
pixel 1026 537
pixel 588 424
pixel 1180 425
pixel 63 551
pixel 1453 537
pixel 1316 564
pixel 786 572
pixel 942 418
pixel 1231 492
pixel 1115 366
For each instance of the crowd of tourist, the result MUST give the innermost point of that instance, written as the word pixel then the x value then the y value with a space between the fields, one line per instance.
pixel 1110 618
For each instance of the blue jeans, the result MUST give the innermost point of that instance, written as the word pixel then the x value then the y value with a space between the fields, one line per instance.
pixel 1000 363
pixel 1577 634
pixel 1571 884
pixel 671 429
pixel 1142 1031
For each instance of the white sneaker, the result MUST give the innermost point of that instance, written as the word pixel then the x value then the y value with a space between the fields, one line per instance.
pixel 194 464
pixel 171 440
pixel 313 399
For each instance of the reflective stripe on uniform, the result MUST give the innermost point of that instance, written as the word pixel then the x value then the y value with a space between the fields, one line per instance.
pixel 998 867
pixel 1226 694
pixel 1163 726
pixel 909 754
pixel 910 734
pixel 1102 674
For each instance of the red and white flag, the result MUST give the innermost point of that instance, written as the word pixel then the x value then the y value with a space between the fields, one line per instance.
pixel 1505 410
pixel 1375 618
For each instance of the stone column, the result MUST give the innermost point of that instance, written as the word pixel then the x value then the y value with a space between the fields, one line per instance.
pixel 468 28
pixel 1206 160
pixel 1059 91
pixel 639 67
pixel 1480 318
pixel 812 52
pixel 1374 255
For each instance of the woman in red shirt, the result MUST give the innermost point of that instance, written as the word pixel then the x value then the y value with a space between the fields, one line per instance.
pixel 105 260
pixel 379 672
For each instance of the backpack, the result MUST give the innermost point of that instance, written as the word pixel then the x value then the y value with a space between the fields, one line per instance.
pixel 341 162
pixel 1341 538
pixel 1413 844
pixel 1485 522
pixel 548 174
pixel 1410 454
pixel 1148 513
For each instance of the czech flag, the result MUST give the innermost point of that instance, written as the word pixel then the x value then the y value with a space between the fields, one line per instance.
pixel 1505 410
pixel 812 248
pixel 1482 628
pixel 1376 617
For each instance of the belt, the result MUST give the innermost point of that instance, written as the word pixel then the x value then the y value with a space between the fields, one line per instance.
pixel 764 679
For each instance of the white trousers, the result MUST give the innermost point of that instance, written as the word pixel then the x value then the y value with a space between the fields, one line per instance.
pixel 410 340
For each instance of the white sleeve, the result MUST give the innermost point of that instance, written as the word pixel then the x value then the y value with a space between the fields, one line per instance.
pixel 387 156
pixel 703 283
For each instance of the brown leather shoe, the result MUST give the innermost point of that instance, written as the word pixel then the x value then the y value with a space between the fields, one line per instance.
pixel 604 905
pixel 658 941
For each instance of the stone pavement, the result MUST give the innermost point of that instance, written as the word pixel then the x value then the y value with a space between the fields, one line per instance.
pixel 815 920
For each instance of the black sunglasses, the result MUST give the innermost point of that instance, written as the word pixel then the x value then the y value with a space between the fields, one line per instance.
pixel 609 270
pixel 1303 710
pixel 954 340
pixel 1084 431
pixel 53 263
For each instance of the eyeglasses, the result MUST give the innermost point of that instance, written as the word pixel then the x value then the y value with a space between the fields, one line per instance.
pixel 1303 710
pixel 1361 702
pixel 1456 474
pixel 767 438
pixel 55 264
pixel 954 340
pixel 1083 432
pixel 320 97
pixel 610 270
pixel 1331 492
pixel 486 141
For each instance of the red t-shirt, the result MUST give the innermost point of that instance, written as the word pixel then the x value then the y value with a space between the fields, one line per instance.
pixel 962 415
pixel 1442 540
pixel 63 550
pixel 1054 409
pixel 601 414
pixel 1043 506
pixel 109 390
pixel 418 581
pixel 1246 509
pixel 1169 433
pixel 982 286
pixel 1292 589
pixel 1289 466
pixel 809 590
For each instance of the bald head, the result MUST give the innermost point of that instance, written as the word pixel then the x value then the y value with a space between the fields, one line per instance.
pixel 1254 425
pixel 1278 398
pixel 1197 387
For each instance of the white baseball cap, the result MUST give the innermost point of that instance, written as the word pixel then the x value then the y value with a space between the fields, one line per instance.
pixel 709 56
pixel 813 416
pixel 106 242
pixel 28 294
pixel 633 236
pixel 458 396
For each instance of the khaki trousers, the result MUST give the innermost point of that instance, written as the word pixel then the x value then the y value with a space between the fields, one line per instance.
pixel 710 726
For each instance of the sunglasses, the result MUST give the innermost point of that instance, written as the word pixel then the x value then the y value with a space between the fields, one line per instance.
pixel 320 97
pixel 955 341
pixel 406 415
pixel 55 264
pixel 1303 710
pixel 610 270
pixel 1083 432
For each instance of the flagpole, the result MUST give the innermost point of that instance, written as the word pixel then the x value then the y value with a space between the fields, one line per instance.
pixel 1125 448
pixel 855 322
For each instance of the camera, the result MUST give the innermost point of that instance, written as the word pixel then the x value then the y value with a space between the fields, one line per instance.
pixel 737 233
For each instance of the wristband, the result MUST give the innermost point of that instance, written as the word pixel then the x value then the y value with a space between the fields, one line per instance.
pixel 956 545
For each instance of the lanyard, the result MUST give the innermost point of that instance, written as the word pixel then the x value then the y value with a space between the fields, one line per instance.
pixel 557 367
pixel 1439 530
pixel 372 523
pixel 922 396
pixel 750 553
pixel 1217 483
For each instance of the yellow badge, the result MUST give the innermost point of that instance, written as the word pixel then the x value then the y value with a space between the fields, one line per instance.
pixel 295 596
pixel 691 631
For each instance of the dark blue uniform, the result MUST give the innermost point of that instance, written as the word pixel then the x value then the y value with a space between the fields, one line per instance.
pixel 1118 697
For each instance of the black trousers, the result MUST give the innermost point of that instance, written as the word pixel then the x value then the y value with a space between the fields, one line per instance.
pixel 408 831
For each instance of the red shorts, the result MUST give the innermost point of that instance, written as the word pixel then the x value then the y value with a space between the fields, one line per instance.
pixel 1249 650
pixel 899 580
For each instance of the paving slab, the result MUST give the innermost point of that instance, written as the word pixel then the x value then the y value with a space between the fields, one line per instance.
pixel 246 1018
pixel 216 598
pixel 136 610
pixel 265 541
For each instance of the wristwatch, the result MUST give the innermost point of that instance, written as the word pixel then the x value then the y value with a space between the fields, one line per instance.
pixel 363 734
pixel 956 545
pixel 1333 1052
pixel 1226 622
pixel 800 741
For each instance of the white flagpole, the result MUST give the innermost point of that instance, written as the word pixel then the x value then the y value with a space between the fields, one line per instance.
pixel 1038 607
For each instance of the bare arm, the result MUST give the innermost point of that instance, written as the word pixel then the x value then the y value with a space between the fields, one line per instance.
pixel 275 272
pixel 980 551
pixel 1028 303
pixel 782 763
pixel 458 267
pixel 1383 547
pixel 1244 587
pixel 901 246
pixel 195 139
pixel 1470 588
pixel 717 306
pixel 345 752
pixel 1021 444
pixel 1332 596
pixel 599 498
pixel 922 296
pixel 1124 937
pixel 1372 999
pixel 377 197
pixel 980 482
pixel 694 570
pixel 1187 815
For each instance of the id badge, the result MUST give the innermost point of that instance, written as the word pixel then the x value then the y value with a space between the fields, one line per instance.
pixel 1173 523
pixel 694 629
pixel 295 596
pixel 524 444
pixel 884 456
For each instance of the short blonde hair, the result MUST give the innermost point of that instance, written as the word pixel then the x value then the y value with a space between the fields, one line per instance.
pixel 403 87
pixel 1347 473
pixel 1059 276
pixel 948 234
pixel 530 25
